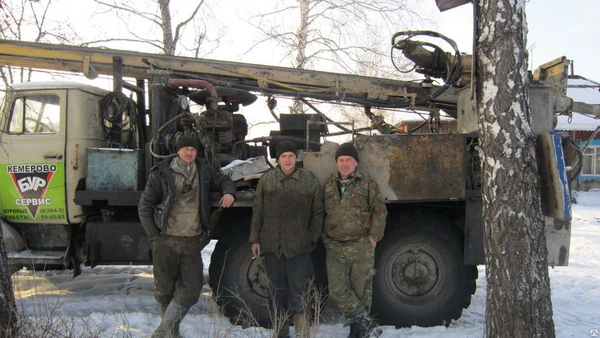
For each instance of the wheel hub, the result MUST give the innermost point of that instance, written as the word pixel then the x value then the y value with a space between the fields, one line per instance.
pixel 415 272
pixel 257 278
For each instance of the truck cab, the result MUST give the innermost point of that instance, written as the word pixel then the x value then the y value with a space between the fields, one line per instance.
pixel 45 129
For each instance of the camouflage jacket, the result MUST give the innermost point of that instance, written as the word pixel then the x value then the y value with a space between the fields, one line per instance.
pixel 357 213
pixel 287 215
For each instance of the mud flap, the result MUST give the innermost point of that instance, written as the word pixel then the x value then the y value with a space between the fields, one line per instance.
pixel 555 197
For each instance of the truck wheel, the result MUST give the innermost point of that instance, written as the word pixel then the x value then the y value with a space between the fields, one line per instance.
pixel 420 277
pixel 239 283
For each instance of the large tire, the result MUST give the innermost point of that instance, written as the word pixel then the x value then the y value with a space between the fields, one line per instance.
pixel 239 283
pixel 421 279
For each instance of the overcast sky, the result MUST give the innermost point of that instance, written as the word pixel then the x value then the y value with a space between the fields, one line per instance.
pixel 556 28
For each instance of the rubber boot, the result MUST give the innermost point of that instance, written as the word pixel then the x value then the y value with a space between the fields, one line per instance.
pixel 169 325
pixel 301 325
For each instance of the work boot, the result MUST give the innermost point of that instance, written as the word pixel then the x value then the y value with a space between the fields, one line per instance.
pixel 169 325
pixel 373 331
pixel 354 329
pixel 301 325
pixel 363 326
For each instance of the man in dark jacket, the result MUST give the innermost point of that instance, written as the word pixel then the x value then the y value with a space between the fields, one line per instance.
pixel 175 212
pixel 355 222
pixel 287 220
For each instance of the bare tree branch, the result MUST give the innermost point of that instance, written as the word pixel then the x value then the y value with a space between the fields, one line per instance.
pixel 171 33
pixel 123 7
pixel 186 21
pixel 31 21
pixel 330 27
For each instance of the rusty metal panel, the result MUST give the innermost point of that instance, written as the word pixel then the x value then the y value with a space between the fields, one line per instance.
pixel 415 167
pixel 322 163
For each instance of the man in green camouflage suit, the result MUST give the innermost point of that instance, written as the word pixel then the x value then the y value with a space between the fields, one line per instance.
pixel 355 222
pixel 287 220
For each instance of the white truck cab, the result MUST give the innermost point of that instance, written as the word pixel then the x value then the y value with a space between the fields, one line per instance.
pixel 45 128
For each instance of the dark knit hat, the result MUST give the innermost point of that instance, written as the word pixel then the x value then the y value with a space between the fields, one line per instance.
pixel 283 147
pixel 187 141
pixel 346 149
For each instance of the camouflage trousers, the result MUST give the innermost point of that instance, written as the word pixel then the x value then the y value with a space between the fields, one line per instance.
pixel 178 270
pixel 350 274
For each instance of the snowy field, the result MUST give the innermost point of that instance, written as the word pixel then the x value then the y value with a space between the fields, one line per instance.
pixel 119 301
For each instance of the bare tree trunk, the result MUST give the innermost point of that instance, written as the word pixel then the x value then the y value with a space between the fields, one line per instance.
pixel 518 293
pixel 8 309
pixel 302 35
pixel 165 15
pixel 300 48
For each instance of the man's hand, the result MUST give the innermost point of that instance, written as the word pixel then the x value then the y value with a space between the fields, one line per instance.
pixel 227 200
pixel 374 242
pixel 255 249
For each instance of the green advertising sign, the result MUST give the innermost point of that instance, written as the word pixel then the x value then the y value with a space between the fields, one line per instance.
pixel 33 192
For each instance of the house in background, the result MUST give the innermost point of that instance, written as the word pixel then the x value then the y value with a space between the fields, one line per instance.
pixel 421 126
pixel 584 130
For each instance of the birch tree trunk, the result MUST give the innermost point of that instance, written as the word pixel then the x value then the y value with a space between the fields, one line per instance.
pixel 8 308
pixel 300 48
pixel 167 27
pixel 518 292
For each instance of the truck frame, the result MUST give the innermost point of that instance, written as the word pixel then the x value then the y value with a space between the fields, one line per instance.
pixel 75 160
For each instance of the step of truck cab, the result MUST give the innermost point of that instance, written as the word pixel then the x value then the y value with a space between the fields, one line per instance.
pixel 39 259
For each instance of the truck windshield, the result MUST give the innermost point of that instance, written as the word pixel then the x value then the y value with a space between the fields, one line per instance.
pixel 39 114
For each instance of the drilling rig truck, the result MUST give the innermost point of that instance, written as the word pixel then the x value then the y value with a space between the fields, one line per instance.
pixel 74 160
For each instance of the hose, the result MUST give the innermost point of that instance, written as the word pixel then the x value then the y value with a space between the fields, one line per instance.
pixel 451 76
pixel 118 113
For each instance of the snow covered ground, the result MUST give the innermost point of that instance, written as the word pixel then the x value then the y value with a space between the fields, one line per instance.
pixel 119 301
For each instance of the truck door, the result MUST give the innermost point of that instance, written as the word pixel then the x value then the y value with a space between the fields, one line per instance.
pixel 32 157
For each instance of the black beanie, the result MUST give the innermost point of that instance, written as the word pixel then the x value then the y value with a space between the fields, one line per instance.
pixel 187 141
pixel 284 146
pixel 346 149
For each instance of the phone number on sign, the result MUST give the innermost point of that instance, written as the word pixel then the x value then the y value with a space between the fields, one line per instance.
pixel 52 217
pixel 53 211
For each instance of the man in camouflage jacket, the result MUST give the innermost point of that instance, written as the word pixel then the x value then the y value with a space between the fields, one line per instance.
pixel 355 222
pixel 287 220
